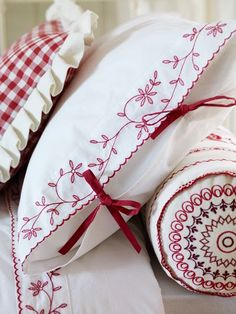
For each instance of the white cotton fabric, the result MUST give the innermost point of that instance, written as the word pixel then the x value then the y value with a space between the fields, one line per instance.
pixel 112 73
pixel 112 278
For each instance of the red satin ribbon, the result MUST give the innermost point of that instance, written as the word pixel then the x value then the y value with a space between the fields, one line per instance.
pixel 183 109
pixel 115 207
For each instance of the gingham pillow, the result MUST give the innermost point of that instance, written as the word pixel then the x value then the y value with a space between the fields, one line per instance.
pixel 33 72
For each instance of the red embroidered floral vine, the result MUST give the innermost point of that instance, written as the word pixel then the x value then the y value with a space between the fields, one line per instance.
pixel 48 288
pixel 38 287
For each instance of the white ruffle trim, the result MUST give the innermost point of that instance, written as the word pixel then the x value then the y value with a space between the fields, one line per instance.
pixel 28 119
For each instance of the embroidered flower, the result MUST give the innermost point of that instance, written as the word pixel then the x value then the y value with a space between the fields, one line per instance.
pixel 218 28
pixel 37 287
pixel 145 95
pixel 49 290
pixel 29 233
pixel 74 171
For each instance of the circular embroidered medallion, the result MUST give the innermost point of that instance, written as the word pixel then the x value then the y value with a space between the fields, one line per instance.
pixel 226 242
pixel 199 235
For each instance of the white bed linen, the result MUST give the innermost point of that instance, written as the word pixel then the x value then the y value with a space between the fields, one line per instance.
pixel 111 279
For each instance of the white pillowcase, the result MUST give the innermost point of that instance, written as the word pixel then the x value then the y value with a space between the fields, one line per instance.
pixel 104 123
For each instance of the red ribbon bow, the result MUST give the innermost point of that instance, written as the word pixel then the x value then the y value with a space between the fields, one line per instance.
pixel 115 207
pixel 183 109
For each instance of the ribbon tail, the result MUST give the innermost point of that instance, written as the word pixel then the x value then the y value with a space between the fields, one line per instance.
pixel 183 109
pixel 79 232
pixel 121 222
pixel 171 117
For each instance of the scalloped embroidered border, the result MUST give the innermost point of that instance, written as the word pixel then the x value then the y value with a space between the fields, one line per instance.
pixel 131 154
pixel 18 133
pixel 14 257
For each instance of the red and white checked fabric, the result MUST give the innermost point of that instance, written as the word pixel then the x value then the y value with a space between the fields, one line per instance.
pixel 33 73
pixel 22 66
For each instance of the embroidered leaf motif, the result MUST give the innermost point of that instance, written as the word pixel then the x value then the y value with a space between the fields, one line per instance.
pixel 105 137
pixel 120 114
pixel 43 200
pixel 139 134
pixel 29 307
pixel 92 164
pixel 71 164
pixel 62 306
pixel 146 88
pixel 181 82
pixel 52 185
pixel 164 101
pixel 76 197
pixel 51 221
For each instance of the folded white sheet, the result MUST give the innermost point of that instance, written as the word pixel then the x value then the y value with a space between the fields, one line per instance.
pixel 111 279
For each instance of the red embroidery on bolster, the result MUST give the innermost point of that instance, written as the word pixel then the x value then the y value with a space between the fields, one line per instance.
pixel 183 109
pixel 209 280
pixel 115 207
